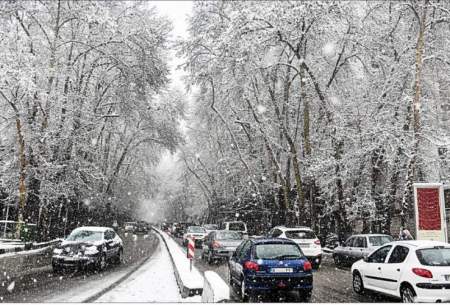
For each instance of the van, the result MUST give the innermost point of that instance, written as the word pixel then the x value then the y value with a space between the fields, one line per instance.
pixel 238 226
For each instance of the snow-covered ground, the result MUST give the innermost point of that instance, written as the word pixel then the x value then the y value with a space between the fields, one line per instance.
pixel 153 282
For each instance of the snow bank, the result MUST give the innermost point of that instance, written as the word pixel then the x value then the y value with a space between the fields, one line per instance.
pixel 189 281
pixel 214 288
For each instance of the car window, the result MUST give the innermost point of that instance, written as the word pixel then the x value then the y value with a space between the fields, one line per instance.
pixel 300 234
pixel 278 251
pixel 276 233
pixel 85 235
pixel 438 256
pixel 196 230
pixel 245 250
pixel 239 248
pixel 228 235
pixel 108 235
pixel 236 226
pixel 349 242
pixel 360 242
pixel 379 256
pixel 380 240
pixel 398 255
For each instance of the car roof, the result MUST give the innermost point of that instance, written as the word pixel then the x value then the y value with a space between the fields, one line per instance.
pixel 369 235
pixel 294 228
pixel 92 228
pixel 265 240
pixel 419 244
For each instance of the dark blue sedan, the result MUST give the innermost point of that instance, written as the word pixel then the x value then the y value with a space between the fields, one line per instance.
pixel 262 266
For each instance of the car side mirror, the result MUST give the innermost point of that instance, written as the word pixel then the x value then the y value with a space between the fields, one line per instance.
pixel 366 258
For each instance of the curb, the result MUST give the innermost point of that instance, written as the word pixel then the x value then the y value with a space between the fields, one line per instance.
pixel 184 291
pixel 96 296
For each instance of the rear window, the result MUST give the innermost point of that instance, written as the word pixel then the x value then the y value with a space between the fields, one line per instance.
pixel 278 251
pixel 380 240
pixel 228 235
pixel 197 229
pixel 434 256
pixel 236 226
pixel 299 234
pixel 211 227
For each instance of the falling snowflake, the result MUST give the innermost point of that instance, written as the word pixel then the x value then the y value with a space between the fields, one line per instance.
pixel 329 49
pixel 261 109
pixel 11 286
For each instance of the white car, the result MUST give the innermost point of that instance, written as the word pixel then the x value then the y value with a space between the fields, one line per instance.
pixel 305 238
pixel 197 233
pixel 237 226
pixel 415 271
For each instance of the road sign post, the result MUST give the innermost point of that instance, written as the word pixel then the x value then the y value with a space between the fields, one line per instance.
pixel 191 251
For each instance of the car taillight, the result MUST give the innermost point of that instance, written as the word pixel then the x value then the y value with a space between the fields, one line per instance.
pixel 216 244
pixel 249 265
pixel 317 242
pixel 423 272
pixel 307 266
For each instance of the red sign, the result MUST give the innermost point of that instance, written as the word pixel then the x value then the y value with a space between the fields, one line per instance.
pixel 429 209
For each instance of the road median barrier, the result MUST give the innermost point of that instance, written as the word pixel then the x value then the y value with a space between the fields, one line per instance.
pixel 190 281
pixel 215 290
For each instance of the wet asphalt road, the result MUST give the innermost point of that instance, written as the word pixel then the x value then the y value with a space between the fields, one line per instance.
pixel 331 284
pixel 42 286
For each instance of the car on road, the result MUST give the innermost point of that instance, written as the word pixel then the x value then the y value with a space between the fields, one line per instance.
pixel 270 266
pixel 197 233
pixel 210 227
pixel 129 226
pixel 220 244
pixel 88 247
pixel 305 238
pixel 141 228
pixel 238 226
pixel 415 271
pixel 357 246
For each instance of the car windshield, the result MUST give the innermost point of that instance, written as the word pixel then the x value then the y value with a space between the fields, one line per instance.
pixel 434 256
pixel 85 235
pixel 380 240
pixel 228 235
pixel 278 251
pixel 299 234
pixel 236 226
pixel 210 227
pixel 197 229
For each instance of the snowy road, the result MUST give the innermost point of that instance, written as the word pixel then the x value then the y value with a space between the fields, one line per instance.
pixel 76 287
pixel 153 282
pixel 331 284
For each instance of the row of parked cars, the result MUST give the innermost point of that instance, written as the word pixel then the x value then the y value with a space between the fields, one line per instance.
pixel 414 271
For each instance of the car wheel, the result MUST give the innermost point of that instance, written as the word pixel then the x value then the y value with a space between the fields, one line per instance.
pixel 408 295
pixel 337 260
pixel 210 258
pixel 119 257
pixel 358 285
pixel 243 292
pixel 101 264
pixel 304 295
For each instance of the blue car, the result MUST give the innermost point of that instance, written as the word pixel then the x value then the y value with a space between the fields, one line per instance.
pixel 267 266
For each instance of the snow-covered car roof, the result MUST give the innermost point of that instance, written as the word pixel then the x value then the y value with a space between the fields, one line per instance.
pixel 95 229
pixel 370 234
pixel 293 228
pixel 419 243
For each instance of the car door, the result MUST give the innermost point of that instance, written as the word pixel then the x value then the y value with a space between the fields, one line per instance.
pixel 359 245
pixel 346 249
pixel 373 277
pixel 243 257
pixel 234 260
pixel 393 269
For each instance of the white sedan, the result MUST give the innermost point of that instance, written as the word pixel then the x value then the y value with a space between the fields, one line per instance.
pixel 415 271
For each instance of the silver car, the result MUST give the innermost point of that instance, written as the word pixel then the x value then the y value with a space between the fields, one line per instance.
pixel 358 246
pixel 220 244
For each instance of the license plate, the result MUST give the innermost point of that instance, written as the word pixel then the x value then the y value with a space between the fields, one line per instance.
pixel 281 270
pixel 447 277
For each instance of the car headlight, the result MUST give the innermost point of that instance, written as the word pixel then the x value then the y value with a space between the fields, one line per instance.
pixel 57 251
pixel 92 250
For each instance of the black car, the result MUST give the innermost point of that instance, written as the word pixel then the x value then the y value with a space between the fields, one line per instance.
pixel 141 228
pixel 88 247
